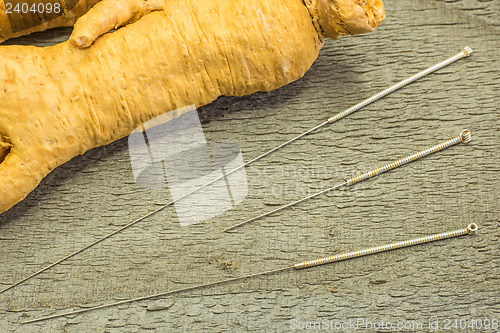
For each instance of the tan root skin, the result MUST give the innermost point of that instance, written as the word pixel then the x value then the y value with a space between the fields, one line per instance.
pixel 67 19
pixel 58 102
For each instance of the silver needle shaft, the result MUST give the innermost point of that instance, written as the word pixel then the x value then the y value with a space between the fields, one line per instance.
pixel 470 230
pixel 464 53
pixel 464 136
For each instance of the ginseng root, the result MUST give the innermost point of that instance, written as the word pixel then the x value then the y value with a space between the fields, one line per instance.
pixel 60 101
pixel 23 17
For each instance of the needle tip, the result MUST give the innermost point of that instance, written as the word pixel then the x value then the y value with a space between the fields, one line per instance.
pixel 229 229
pixel 245 222
pixel 29 321
pixel 8 288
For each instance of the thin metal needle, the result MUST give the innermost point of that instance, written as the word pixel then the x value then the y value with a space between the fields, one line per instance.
pixel 470 230
pixel 467 51
pixel 160 294
pixel 464 136
pixel 80 250
pixel 464 53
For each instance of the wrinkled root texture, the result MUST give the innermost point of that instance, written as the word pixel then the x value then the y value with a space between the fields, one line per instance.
pixel 4 148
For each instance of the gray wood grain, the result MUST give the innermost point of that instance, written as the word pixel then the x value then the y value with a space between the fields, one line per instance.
pixel 94 194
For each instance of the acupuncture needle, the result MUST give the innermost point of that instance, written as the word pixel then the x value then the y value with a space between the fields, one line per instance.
pixel 462 54
pixel 471 229
pixel 464 137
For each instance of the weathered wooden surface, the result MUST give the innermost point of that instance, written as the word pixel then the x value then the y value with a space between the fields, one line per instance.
pixel 456 279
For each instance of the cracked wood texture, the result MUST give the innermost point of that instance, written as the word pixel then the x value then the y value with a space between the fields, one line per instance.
pixel 95 194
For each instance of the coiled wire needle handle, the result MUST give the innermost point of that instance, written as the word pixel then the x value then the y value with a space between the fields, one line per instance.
pixel 464 136
pixel 467 51
pixel 470 230
pixel 464 53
